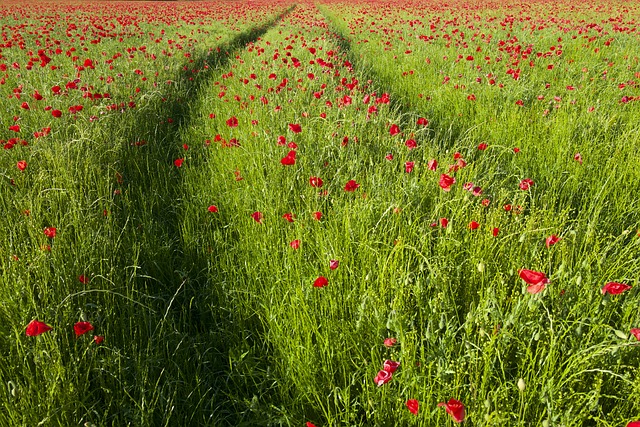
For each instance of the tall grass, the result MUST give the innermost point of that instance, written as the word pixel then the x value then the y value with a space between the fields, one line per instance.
pixel 210 317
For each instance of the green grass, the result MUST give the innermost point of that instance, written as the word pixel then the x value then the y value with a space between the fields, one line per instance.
pixel 211 318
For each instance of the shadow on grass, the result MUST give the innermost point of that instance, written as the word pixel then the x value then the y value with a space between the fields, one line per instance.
pixel 176 363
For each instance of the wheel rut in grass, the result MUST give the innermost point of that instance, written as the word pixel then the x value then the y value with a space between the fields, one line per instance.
pixel 172 342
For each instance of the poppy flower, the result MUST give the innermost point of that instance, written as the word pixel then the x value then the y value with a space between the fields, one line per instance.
pixel 257 216
pixel 394 130
pixel 455 408
pixel 317 215
pixel 412 406
pixel 473 225
pixel 383 377
pixel 408 167
pixel 83 279
pixel 333 264
pixel 526 183
pixel 98 339
pixel 178 163
pixel 411 144
pixel 289 159
pixel 482 146
pixel 15 128
pixel 35 328
pixel 446 182
pixel 288 216
pixel 552 240
pixel 390 342
pixel 495 231
pixel 422 122
pixel 295 128
pixel 536 280
pixel 615 288
pixel 320 282
pixel 444 222
pixel 295 244
pixel 578 157
pixel 634 424
pixel 351 186
pixel 635 332
pixel 56 113
pixel 21 165
pixel 212 209
pixel 315 182
pixel 432 164
pixel 50 232
pixel 82 328
pixel 390 365
pixel 232 122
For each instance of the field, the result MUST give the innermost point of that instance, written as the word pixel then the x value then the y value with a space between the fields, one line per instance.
pixel 330 213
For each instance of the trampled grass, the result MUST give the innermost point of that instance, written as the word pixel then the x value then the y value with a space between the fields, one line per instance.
pixel 257 213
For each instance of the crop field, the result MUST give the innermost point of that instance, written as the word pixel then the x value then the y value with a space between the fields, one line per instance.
pixel 330 213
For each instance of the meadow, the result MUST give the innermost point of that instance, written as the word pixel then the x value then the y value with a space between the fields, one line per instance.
pixel 330 213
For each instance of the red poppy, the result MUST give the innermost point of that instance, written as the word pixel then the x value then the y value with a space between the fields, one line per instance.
pixel 411 144
pixel 212 209
pixel 455 408
pixel 495 231
pixel 317 215
pixel 422 122
pixel 351 186
pixel 257 216
pixel 56 113
pixel 98 339
pixel 390 366
pixel 15 128
pixel 482 146
pixel 35 328
pixel 526 183
pixel 578 157
pixel 288 216
pixel 412 406
pixel 408 167
pixel 320 282
pixel 473 225
pixel 295 128
pixel 289 159
pixel 178 163
pixel 444 222
pixel 390 342
pixel 432 164
pixel 446 182
pixel 232 122
pixel 552 240
pixel 295 244
pixel 635 332
pixel 83 279
pixel 315 182
pixel 383 377
pixel 22 165
pixel 394 130
pixel 82 328
pixel 50 232
pixel 536 280
pixel 634 424
pixel 333 264
pixel 615 288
